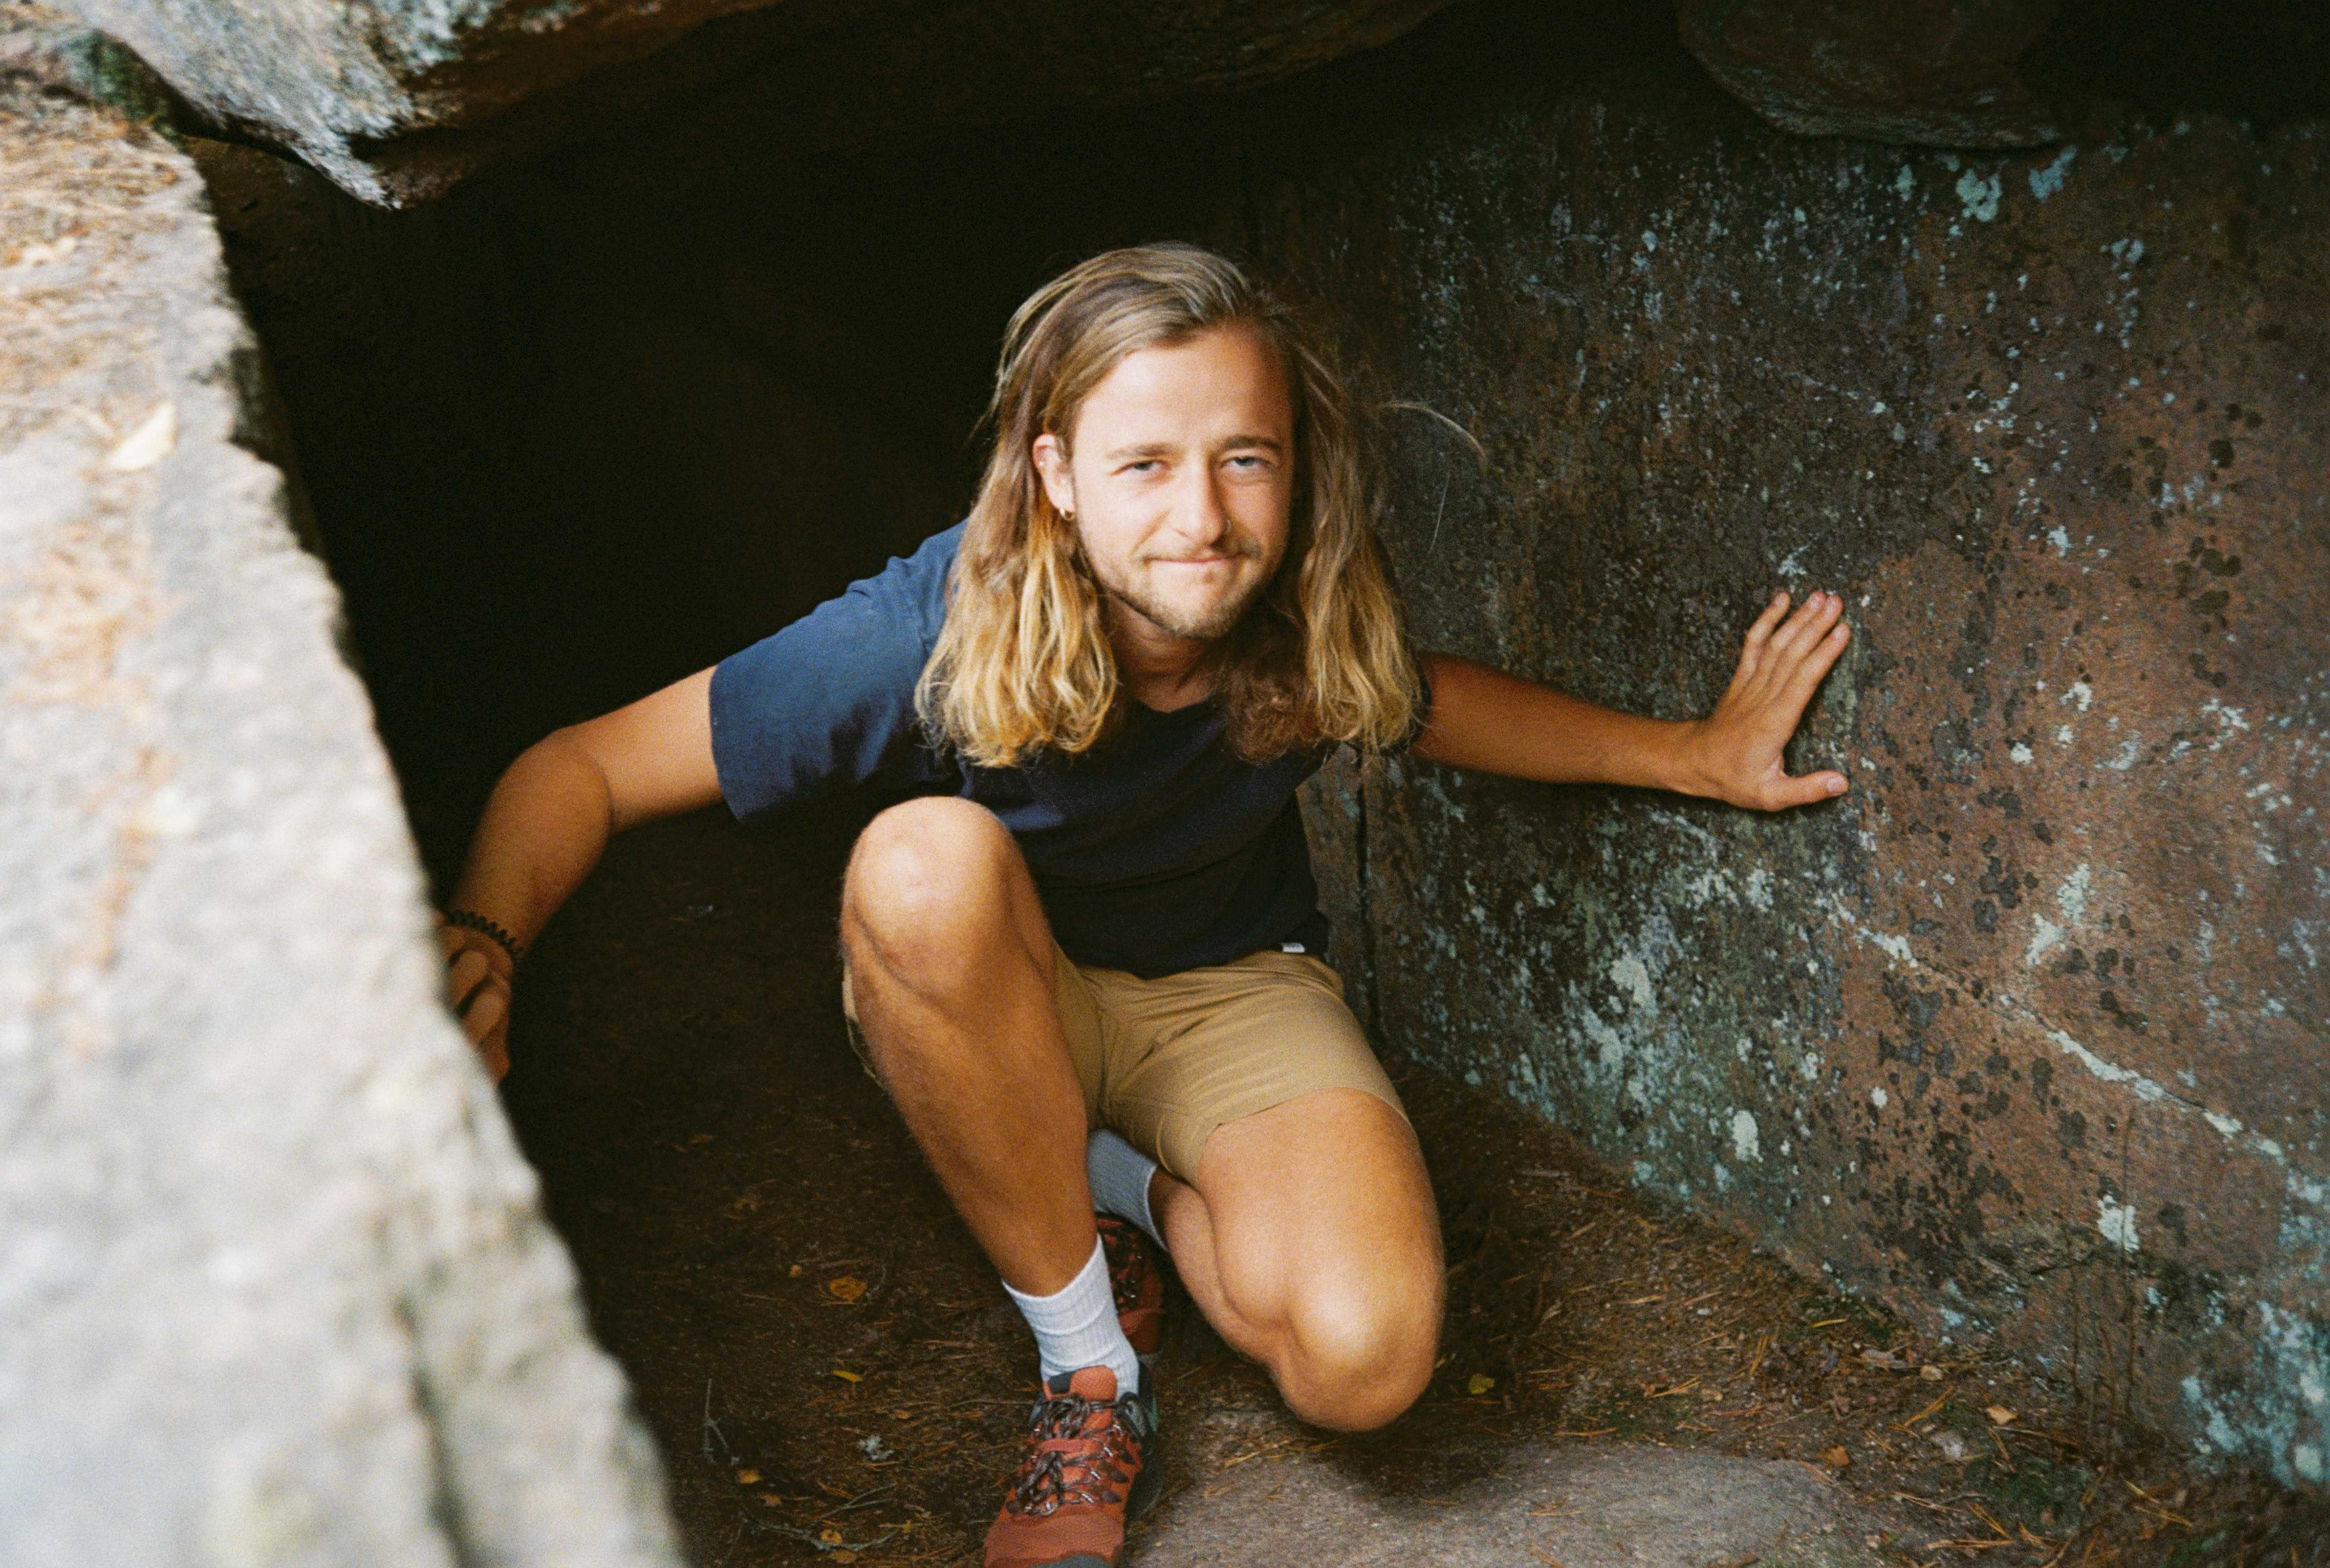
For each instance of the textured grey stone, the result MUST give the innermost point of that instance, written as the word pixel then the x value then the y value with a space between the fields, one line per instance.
pixel 274 1285
pixel 1614 1506
pixel 2024 1034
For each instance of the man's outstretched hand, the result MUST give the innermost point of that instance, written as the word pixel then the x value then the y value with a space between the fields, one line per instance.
pixel 1738 746
pixel 478 989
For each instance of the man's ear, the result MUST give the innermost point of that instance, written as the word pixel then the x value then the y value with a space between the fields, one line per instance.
pixel 1051 458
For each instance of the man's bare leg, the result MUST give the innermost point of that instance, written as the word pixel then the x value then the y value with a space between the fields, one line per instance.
pixel 1311 1242
pixel 1308 1239
pixel 950 974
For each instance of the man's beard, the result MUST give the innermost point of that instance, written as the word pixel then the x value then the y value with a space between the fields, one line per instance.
pixel 1211 625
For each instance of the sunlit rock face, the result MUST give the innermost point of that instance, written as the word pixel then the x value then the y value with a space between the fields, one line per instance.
pixel 2028 1032
pixel 278 1285
pixel 398 100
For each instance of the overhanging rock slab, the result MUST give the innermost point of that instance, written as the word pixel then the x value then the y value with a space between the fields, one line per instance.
pixel 399 99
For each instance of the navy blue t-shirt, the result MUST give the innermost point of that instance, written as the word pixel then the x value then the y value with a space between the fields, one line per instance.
pixel 1158 851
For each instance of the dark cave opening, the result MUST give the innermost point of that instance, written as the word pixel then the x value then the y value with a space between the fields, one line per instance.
pixel 586 425
pixel 575 431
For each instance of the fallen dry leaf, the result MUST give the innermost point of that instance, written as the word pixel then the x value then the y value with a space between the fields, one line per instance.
pixel 2000 1415
pixel 748 1477
pixel 1479 1383
pixel 1835 1457
pixel 846 1288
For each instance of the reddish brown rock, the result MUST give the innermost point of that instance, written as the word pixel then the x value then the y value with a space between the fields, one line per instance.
pixel 1932 72
pixel 2027 1034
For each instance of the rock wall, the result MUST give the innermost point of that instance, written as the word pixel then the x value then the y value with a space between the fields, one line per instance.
pixel 2028 1033
pixel 275 1287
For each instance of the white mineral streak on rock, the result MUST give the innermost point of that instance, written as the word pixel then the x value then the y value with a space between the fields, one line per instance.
pixel 1632 978
pixel 149 443
pixel 1981 194
pixel 2046 181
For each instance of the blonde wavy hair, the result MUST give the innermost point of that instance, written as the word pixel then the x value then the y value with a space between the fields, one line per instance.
pixel 1023 664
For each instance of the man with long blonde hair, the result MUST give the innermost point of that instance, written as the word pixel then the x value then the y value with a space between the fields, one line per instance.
pixel 1083 948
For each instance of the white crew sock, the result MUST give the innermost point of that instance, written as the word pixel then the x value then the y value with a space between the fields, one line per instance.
pixel 1078 1326
pixel 1119 1175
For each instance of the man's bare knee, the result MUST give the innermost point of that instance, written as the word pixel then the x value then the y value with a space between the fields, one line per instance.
pixel 1355 1360
pixel 929 882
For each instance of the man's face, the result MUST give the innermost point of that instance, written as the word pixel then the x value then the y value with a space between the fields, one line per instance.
pixel 1180 474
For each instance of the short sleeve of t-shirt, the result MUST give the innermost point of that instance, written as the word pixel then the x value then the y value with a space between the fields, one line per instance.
pixel 829 702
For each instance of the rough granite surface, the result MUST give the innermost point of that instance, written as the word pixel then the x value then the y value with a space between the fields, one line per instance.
pixel 2027 1033
pixel 274 1285
pixel 1619 1506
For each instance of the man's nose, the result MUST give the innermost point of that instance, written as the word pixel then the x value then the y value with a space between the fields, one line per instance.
pixel 1199 518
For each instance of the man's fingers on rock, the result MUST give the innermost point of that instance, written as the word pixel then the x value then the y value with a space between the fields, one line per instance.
pixel 1821 652
pixel 1751 647
pixel 463 974
pixel 485 1013
pixel 1809 635
pixel 1813 665
pixel 1807 790
pixel 1765 622
pixel 1800 626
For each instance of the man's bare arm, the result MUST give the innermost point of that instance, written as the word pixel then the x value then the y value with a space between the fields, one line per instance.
pixel 1482 719
pixel 549 819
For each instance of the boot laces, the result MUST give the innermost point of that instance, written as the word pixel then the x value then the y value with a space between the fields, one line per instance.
pixel 1091 1473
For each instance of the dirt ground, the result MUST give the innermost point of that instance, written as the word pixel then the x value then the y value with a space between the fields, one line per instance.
pixel 835 1375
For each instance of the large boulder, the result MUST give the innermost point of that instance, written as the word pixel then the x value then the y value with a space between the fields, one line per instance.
pixel 398 100
pixel 275 1286
pixel 2025 1034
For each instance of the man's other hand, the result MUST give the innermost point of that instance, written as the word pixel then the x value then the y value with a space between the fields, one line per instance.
pixel 477 988
pixel 1738 746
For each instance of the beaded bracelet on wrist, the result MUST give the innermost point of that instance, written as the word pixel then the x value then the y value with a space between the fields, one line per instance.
pixel 468 920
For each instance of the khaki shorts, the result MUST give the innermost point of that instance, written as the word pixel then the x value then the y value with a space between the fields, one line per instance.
pixel 1165 1062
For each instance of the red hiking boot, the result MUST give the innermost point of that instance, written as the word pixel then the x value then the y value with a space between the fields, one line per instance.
pixel 1138 1287
pixel 1091 1466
